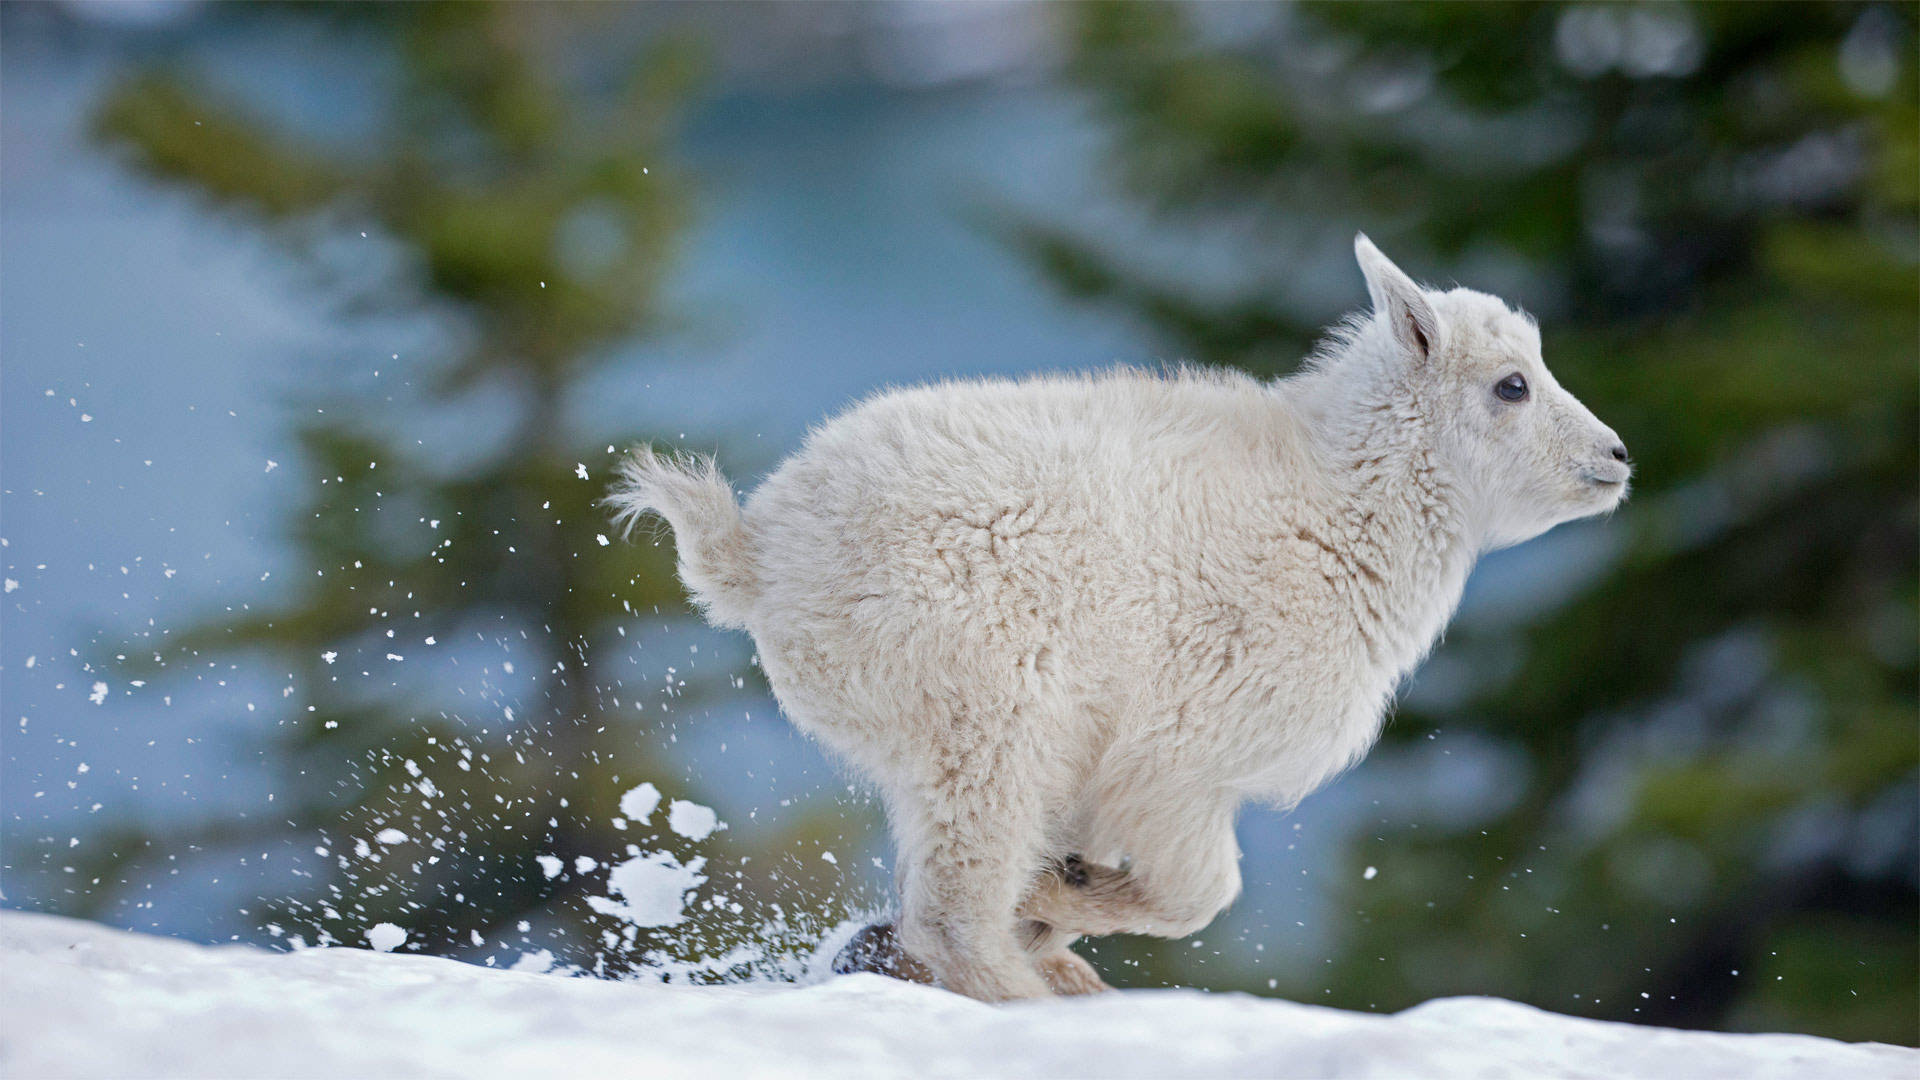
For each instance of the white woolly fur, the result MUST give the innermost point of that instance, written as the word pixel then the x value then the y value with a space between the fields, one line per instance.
pixel 1067 625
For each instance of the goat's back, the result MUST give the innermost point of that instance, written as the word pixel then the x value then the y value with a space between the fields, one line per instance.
pixel 962 530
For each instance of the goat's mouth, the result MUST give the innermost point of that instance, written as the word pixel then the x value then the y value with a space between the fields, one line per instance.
pixel 1604 493
pixel 1604 487
pixel 1606 479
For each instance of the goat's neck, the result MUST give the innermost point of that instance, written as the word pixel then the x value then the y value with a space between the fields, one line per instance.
pixel 1405 521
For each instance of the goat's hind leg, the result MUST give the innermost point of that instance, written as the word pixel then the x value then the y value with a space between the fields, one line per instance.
pixel 969 842
pixel 876 949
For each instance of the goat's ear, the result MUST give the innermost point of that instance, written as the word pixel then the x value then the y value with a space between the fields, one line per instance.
pixel 1416 327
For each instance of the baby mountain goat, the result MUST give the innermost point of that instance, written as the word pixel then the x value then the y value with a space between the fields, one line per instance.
pixel 1067 625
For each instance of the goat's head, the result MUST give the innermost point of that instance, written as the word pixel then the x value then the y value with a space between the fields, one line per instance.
pixel 1528 453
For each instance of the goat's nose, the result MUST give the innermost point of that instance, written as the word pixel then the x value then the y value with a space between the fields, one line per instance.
pixel 1619 452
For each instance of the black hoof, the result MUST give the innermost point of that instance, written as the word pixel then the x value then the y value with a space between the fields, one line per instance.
pixel 1077 873
pixel 1073 871
pixel 875 949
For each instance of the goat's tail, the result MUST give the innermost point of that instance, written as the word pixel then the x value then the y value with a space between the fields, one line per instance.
pixel 716 554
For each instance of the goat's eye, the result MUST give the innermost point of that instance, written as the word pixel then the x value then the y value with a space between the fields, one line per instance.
pixel 1511 388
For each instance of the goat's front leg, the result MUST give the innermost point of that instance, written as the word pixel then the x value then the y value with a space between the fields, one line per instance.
pixel 1066 971
pixel 1175 882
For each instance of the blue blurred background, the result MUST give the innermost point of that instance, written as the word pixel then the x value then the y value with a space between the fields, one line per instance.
pixel 321 323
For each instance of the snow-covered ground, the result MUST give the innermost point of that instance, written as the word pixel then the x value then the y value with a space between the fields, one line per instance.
pixel 78 999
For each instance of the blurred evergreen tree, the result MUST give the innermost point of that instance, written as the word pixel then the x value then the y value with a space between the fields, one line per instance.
pixel 536 208
pixel 1713 207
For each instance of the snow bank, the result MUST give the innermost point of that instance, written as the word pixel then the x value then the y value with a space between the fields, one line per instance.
pixel 77 999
